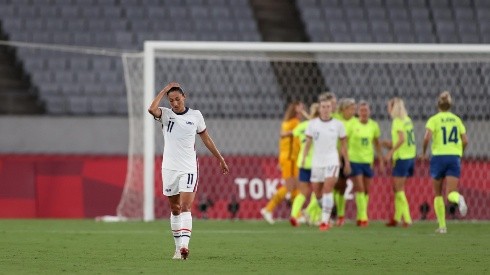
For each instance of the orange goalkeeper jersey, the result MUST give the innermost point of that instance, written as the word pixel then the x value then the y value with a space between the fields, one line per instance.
pixel 289 145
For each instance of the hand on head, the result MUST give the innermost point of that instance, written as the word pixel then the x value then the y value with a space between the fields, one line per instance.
pixel 170 86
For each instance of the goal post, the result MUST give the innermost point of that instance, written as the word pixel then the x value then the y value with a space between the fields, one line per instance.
pixel 363 71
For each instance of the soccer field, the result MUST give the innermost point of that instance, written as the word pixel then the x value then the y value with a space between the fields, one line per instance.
pixel 227 247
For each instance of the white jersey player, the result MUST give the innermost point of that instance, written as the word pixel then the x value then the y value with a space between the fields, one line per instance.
pixel 324 132
pixel 180 170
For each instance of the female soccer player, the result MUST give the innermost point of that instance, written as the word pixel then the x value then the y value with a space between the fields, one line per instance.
pixel 402 150
pixel 179 167
pixel 324 132
pixel 288 153
pixel 448 135
pixel 362 134
pixel 304 174
pixel 346 112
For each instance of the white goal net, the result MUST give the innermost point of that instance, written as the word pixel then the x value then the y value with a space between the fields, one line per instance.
pixel 242 90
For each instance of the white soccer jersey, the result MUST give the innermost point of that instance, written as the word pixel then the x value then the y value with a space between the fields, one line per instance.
pixel 179 131
pixel 325 135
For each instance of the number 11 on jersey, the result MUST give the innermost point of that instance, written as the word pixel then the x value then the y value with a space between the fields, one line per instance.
pixel 170 126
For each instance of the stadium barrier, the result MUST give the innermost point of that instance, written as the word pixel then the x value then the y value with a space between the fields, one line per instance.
pixel 74 186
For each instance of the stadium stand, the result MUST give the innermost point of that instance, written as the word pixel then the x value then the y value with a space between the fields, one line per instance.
pixel 80 85
pixel 399 21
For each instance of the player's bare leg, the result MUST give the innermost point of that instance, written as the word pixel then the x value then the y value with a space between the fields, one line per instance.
pixel 186 199
pixel 454 196
pixel 291 185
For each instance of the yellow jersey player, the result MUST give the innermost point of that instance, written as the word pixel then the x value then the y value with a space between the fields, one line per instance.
pixel 313 210
pixel 362 134
pixel 448 135
pixel 345 114
pixel 402 150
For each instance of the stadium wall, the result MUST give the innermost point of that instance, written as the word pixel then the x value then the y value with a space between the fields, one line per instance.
pixel 77 186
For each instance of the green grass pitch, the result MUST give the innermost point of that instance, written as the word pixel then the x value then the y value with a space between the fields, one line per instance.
pixel 241 247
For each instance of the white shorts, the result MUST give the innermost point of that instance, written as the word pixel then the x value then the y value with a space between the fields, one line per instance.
pixel 175 182
pixel 319 174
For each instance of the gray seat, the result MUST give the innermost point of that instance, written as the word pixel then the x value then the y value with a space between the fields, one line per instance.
pixel 86 77
pixel 55 24
pixel 397 14
pixel 78 105
pixel 355 13
pixel 463 14
pixel 419 13
pixel 101 105
pixel 92 12
pixel 12 24
pixel 79 63
pixel 69 11
pixel 376 13
pixel 439 3
pixel 55 105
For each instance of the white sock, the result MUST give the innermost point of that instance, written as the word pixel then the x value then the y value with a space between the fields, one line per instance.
pixel 327 205
pixel 186 229
pixel 176 225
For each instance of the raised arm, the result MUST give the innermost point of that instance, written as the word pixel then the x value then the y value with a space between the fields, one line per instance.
pixel 208 141
pixel 154 110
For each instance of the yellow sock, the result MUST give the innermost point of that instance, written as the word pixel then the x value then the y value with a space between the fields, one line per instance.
pixel 366 203
pixel 277 198
pixel 298 202
pixel 313 209
pixel 440 210
pixel 405 208
pixel 341 206
pixel 311 206
pixel 398 207
pixel 360 204
pixel 336 199
pixel 453 197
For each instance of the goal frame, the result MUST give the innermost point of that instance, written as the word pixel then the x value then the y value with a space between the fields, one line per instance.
pixel 151 47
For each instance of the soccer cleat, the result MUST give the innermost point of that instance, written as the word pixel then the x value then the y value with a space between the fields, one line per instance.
pixel 392 223
pixel 324 226
pixel 364 224
pixel 358 222
pixel 267 215
pixel 177 255
pixel 441 230
pixel 293 222
pixel 340 221
pixel 184 253
pixel 463 208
